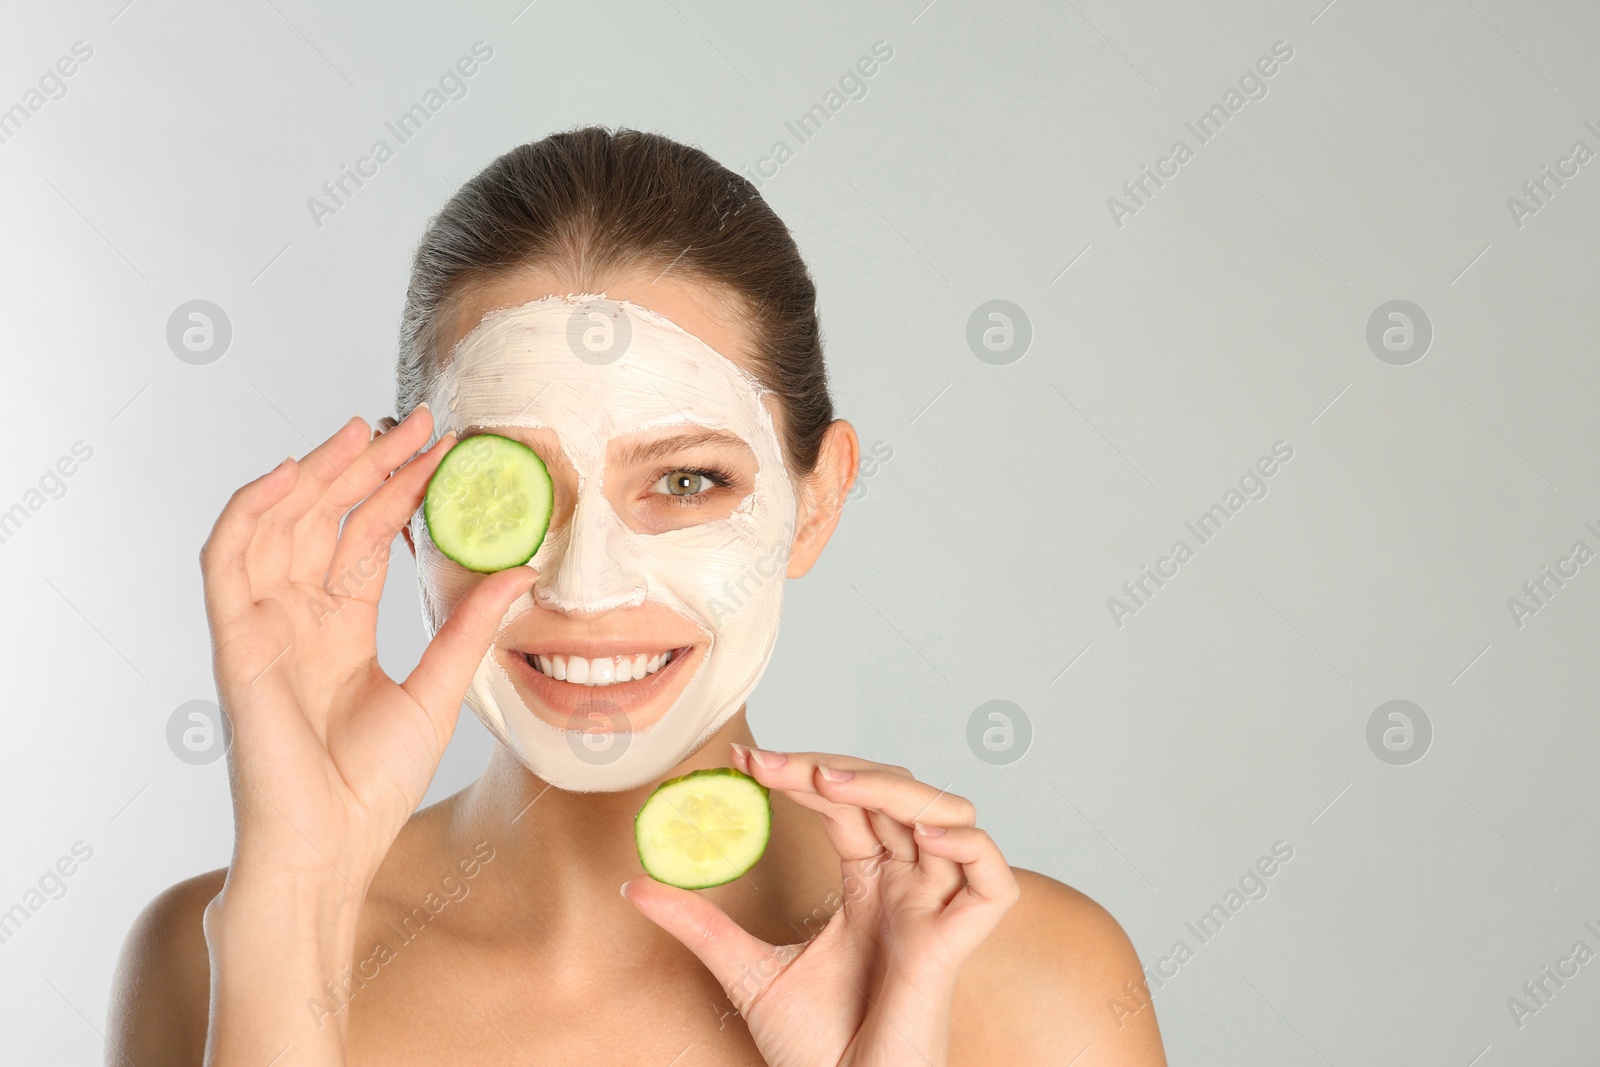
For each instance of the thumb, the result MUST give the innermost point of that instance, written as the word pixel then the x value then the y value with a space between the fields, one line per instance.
pixel 441 677
pixel 742 962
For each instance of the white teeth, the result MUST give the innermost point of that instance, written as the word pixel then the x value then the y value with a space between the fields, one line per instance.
pixel 606 671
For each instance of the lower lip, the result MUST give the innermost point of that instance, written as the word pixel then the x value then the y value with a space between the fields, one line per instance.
pixel 568 706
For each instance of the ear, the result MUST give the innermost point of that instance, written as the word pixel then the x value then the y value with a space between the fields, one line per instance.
pixel 823 494
pixel 386 423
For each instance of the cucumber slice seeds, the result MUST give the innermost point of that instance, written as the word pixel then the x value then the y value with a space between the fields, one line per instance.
pixel 488 503
pixel 703 828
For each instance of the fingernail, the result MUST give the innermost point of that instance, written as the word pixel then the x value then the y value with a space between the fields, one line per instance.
pixel 624 889
pixel 768 760
pixel 420 404
pixel 928 831
pixel 741 753
pixel 833 775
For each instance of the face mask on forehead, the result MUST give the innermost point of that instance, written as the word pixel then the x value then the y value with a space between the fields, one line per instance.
pixel 591 371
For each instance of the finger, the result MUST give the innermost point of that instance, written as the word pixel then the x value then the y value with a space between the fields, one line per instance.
pixel 742 962
pixel 740 759
pixel 440 679
pixel 317 532
pixel 902 799
pixel 360 560
pixel 893 804
pixel 895 836
pixel 990 891
pixel 223 567
pixel 771 760
pixel 272 551
pixel 940 874
pixel 850 831
pixel 855 836
pixel 898 796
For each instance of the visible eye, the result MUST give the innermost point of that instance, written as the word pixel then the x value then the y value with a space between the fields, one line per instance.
pixel 687 482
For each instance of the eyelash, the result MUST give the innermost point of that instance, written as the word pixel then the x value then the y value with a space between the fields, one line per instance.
pixel 723 479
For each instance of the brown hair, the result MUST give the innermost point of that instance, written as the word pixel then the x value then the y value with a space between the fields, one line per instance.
pixel 589 201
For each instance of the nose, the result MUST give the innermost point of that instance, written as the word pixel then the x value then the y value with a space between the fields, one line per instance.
pixel 594 570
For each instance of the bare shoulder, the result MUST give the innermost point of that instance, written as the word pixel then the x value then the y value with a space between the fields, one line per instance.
pixel 161 995
pixel 1058 975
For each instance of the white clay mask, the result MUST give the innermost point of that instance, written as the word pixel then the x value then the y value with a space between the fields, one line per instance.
pixel 588 376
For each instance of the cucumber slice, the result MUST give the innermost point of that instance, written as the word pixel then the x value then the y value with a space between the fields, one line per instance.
pixel 488 503
pixel 704 828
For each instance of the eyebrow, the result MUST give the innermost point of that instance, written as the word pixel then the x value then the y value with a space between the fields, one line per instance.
pixel 650 451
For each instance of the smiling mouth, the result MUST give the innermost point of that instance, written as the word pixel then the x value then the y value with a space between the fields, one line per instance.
pixel 603 671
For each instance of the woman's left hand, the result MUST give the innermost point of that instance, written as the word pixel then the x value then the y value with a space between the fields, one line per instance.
pixel 923 887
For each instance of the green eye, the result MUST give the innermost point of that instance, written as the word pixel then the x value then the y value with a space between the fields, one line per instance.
pixel 685 483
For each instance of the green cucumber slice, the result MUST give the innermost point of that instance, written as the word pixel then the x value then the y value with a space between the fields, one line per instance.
pixel 488 503
pixel 703 828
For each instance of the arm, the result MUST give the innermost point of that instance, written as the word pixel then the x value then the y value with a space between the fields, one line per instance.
pixel 195 953
pixel 273 941
pixel 328 756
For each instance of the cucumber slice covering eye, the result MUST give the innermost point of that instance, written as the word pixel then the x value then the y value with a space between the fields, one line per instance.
pixel 704 828
pixel 488 503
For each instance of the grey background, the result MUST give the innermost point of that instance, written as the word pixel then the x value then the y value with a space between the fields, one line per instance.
pixel 1168 354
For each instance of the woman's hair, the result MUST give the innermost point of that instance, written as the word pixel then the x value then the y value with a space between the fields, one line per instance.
pixel 590 202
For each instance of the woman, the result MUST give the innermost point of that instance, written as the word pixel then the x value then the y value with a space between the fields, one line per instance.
pixel 882 926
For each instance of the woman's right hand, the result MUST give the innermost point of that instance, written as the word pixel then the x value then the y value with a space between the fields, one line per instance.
pixel 330 756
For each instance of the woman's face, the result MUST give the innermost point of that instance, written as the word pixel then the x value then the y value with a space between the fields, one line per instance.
pixel 662 573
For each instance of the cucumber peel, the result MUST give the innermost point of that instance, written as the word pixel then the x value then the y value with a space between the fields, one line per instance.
pixel 704 828
pixel 488 503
